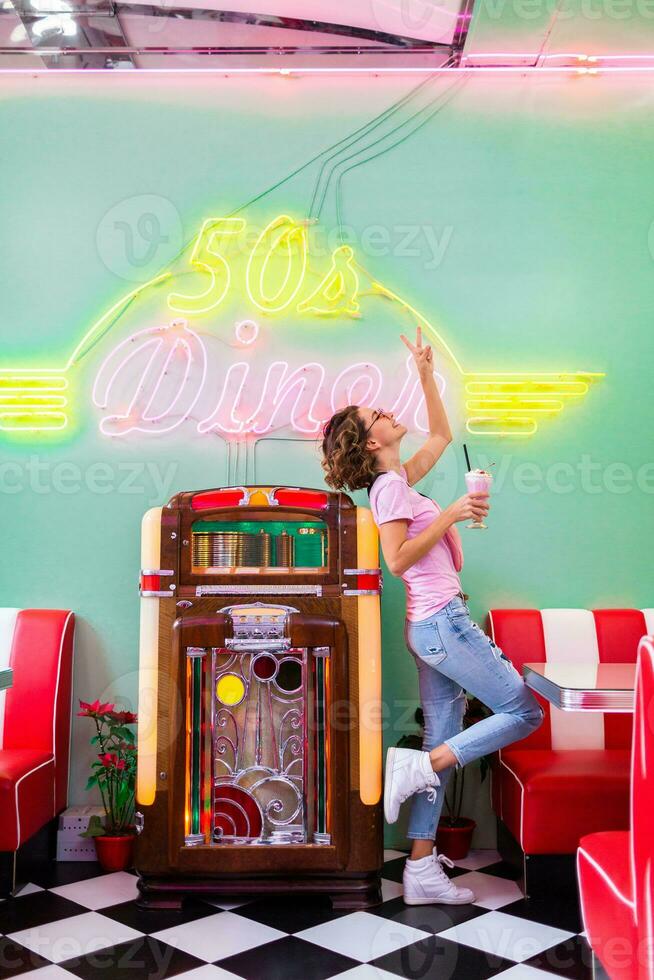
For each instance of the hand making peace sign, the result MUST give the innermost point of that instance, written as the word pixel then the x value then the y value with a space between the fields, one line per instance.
pixel 423 356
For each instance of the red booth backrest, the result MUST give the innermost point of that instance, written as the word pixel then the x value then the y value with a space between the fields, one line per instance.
pixel 642 793
pixel 559 635
pixel 38 645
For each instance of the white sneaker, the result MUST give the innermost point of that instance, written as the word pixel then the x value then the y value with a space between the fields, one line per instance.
pixel 425 881
pixel 408 771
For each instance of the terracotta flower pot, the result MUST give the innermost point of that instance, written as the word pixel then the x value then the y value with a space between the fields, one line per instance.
pixel 114 853
pixel 455 841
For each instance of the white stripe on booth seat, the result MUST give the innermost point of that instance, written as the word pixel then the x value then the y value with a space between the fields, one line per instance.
pixel 570 636
pixel 649 620
pixel 7 625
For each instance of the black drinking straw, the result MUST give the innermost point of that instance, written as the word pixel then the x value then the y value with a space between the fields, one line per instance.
pixel 465 449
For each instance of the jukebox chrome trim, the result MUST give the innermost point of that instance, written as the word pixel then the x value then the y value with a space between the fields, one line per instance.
pixel 269 494
pixel 247 493
pixel 263 589
pixel 192 840
pixel 243 608
pixel 157 574
pixel 257 645
pixel 364 573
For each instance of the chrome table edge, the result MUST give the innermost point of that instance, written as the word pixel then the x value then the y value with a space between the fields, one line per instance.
pixel 579 699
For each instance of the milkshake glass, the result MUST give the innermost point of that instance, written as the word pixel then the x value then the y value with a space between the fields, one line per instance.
pixel 478 481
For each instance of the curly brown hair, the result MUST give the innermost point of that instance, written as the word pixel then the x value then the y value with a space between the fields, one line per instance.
pixel 348 465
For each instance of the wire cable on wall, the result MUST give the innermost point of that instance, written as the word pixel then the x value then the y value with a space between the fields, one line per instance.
pixel 452 91
pixel 350 139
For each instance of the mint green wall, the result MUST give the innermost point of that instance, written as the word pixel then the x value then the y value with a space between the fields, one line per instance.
pixel 541 190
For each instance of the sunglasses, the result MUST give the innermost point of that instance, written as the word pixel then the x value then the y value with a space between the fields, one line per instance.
pixel 378 413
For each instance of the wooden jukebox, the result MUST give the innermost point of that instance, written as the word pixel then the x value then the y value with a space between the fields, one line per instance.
pixel 259 756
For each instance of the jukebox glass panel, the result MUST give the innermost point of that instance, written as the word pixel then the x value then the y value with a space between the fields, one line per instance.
pixel 259 744
pixel 257 772
pixel 288 544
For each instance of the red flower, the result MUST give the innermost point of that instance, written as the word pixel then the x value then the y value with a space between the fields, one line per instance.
pixel 123 717
pixel 120 764
pixel 95 708
pixel 108 759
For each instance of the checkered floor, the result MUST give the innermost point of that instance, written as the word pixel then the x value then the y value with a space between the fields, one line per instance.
pixel 73 920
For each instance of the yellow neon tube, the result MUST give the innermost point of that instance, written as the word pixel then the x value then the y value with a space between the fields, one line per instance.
pixel 146 776
pixel 505 406
pixel 370 676
pixel 209 259
pixel 28 403
pixel 338 293
pixel 488 419
pixel 32 382
pixel 32 421
pixel 266 248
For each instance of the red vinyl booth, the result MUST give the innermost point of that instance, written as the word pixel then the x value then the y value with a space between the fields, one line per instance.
pixel 615 869
pixel 35 719
pixel 570 777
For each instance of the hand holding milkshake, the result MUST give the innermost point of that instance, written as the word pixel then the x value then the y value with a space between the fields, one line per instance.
pixel 477 481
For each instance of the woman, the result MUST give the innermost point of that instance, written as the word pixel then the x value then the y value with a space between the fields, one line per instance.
pixel 421 544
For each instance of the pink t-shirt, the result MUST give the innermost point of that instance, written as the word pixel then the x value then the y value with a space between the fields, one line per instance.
pixel 432 581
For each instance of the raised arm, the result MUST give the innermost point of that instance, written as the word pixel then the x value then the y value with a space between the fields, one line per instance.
pixel 440 435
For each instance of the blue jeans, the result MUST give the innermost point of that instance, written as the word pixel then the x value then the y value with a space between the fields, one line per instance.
pixel 453 656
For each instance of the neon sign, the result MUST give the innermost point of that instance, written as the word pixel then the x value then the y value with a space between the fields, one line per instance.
pixel 160 378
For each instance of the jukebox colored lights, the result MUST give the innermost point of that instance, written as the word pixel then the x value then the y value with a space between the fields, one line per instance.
pixel 289 678
pixel 146 780
pixel 260 497
pixel 264 667
pixel 310 499
pixel 230 689
pixel 370 680
pixel 236 812
pixel 212 499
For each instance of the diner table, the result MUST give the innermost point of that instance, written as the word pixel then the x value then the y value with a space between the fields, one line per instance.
pixel 6 677
pixel 583 686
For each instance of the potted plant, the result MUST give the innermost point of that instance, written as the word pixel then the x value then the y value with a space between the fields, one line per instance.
pixel 454 832
pixel 114 773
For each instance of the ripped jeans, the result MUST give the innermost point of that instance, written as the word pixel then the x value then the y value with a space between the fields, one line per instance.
pixel 454 656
